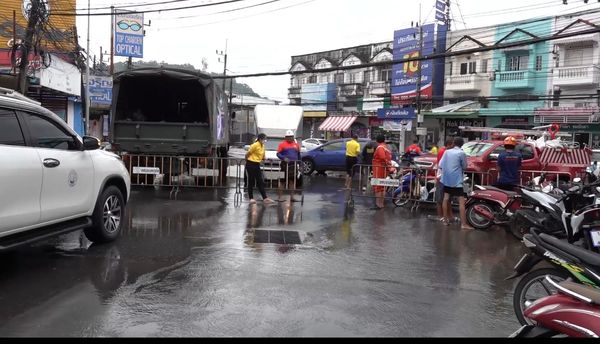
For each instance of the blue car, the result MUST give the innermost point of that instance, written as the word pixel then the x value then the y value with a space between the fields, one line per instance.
pixel 331 156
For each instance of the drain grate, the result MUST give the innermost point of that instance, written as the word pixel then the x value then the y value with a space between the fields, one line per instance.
pixel 277 237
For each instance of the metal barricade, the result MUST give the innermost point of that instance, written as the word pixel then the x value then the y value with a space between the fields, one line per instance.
pixel 208 172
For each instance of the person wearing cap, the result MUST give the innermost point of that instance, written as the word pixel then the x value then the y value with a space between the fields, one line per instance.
pixel 509 164
pixel 352 152
pixel 289 154
pixel 255 155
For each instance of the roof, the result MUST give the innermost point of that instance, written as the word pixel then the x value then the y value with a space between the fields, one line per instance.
pixel 337 123
pixel 461 106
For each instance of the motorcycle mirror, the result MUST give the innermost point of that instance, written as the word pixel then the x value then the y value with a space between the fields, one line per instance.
pixel 577 180
pixel 598 188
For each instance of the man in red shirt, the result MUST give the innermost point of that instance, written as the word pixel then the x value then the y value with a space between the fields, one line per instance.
pixel 439 187
pixel 414 148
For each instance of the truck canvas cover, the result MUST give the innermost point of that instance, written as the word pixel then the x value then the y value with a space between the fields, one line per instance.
pixel 275 120
pixel 168 111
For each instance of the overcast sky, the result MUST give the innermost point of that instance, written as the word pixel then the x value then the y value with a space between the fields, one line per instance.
pixel 264 37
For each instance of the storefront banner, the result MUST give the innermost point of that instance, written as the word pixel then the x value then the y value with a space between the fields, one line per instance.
pixel 61 76
pixel 101 91
pixel 396 114
pixel 397 125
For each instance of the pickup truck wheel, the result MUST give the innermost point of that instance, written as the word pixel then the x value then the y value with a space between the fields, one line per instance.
pixel 107 218
pixel 308 167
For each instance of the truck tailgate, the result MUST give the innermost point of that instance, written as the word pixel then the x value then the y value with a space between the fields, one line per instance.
pixel 564 156
pixel 161 137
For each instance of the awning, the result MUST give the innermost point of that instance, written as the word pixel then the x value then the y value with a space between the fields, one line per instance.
pixel 314 114
pixel 587 38
pixel 337 123
pixel 450 115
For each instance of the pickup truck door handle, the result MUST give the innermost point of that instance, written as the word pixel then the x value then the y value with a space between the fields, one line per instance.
pixel 50 163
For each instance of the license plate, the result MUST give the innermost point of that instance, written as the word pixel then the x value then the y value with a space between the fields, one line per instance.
pixel 595 234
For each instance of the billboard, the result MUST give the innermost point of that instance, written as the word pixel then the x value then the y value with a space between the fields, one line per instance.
pixel 129 34
pixel 59 35
pixel 319 97
pixel 61 76
pixel 405 75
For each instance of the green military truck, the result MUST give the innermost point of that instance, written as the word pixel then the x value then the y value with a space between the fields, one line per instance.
pixel 167 122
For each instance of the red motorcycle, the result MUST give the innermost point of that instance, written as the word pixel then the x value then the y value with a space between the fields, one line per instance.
pixel 573 312
pixel 488 205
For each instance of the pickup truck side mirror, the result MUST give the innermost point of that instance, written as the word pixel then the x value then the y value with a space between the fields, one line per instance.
pixel 90 143
pixel 246 147
pixel 494 156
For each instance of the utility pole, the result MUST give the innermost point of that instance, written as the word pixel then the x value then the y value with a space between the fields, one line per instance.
pixel 112 40
pixel 31 28
pixel 224 62
pixel 419 75
pixel 87 76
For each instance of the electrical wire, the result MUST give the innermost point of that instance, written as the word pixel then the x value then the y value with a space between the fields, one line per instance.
pixel 147 11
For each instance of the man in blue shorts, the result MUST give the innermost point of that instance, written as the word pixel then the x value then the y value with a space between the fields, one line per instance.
pixel 453 166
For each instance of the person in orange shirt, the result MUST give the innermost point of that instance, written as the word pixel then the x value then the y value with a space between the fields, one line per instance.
pixel 381 160
pixel 414 148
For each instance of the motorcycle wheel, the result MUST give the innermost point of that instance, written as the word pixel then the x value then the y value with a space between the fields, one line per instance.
pixel 476 220
pixel 533 286
pixel 401 199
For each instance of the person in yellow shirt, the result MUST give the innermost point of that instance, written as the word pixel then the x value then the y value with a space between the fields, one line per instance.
pixel 254 156
pixel 352 152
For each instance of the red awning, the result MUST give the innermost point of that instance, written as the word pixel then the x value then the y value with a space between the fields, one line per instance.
pixel 337 123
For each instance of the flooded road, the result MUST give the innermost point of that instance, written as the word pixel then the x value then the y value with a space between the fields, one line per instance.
pixel 192 267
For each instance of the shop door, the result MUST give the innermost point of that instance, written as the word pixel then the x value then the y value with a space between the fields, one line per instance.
pixel 583 139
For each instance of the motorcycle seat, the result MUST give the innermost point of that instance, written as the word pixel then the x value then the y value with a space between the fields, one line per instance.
pixel 509 193
pixel 586 256
pixel 584 290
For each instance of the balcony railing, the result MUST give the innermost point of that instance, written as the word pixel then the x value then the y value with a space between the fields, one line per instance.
pixel 515 79
pixel 294 92
pixel 576 76
pixel 351 90
pixel 467 82
pixel 379 88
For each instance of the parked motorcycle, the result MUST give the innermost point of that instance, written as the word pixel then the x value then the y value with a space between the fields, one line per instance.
pixel 415 183
pixel 573 312
pixel 567 261
pixel 489 205
pixel 568 215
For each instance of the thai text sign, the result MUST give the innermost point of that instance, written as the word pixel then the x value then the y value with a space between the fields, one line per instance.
pixel 129 34
pixel 405 75
pixel 398 113
pixel 101 90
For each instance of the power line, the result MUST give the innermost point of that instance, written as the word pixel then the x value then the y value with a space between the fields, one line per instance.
pixel 221 12
pixel 424 58
pixel 147 11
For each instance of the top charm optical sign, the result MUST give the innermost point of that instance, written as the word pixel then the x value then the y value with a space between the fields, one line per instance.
pixel 129 34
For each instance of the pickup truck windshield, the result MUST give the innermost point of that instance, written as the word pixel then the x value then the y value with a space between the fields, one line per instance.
pixel 476 148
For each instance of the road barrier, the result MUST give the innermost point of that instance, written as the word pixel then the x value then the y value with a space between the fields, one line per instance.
pixel 412 185
pixel 208 172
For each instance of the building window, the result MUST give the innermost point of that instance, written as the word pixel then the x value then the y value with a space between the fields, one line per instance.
pixel 312 79
pixel 386 74
pixel 538 63
pixel 472 67
pixel 499 68
pixel 516 63
pixel 367 76
pixel 463 68
pixel 484 65
pixel 339 78
pixel 450 68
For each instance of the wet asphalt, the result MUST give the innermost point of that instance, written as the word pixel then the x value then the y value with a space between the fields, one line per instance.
pixel 190 268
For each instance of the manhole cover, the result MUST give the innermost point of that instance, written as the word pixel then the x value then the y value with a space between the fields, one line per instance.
pixel 277 237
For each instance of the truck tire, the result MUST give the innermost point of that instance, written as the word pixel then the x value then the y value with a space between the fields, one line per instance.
pixel 107 219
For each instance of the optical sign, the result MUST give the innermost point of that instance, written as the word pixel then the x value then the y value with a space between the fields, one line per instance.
pixel 129 34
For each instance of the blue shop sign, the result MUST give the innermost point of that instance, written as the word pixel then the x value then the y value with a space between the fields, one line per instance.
pixel 397 113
